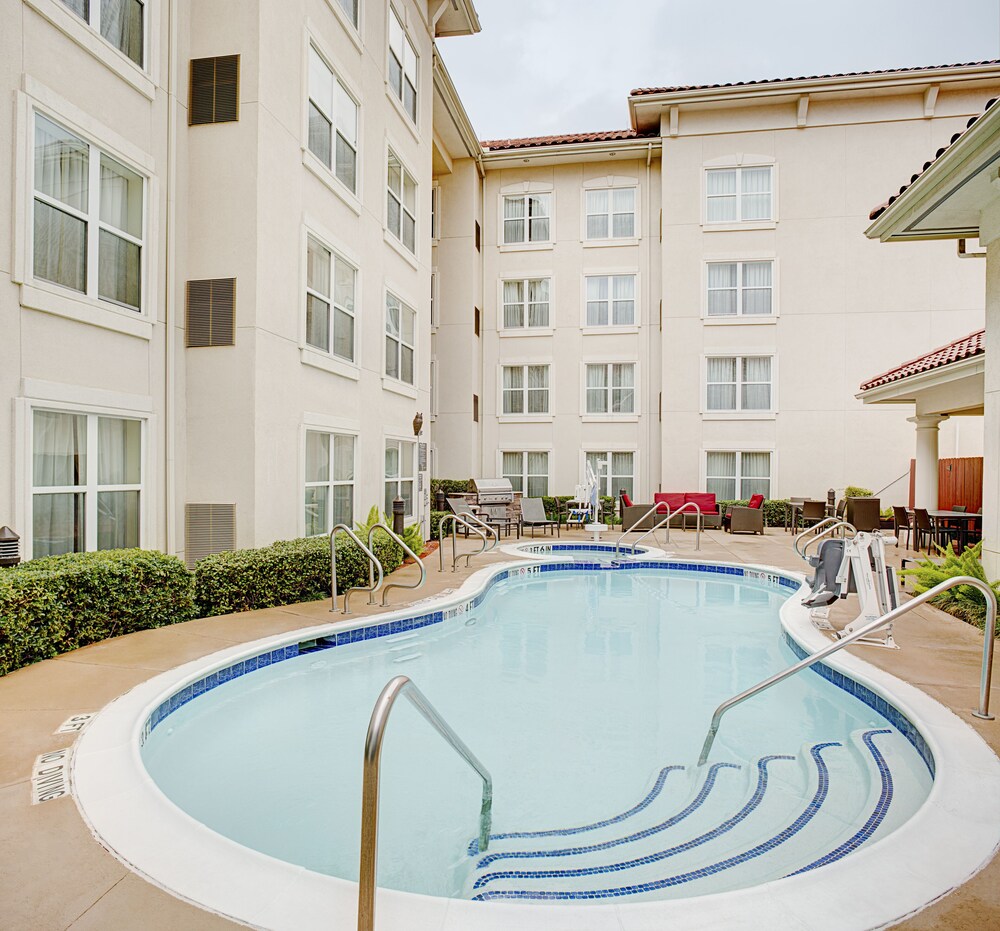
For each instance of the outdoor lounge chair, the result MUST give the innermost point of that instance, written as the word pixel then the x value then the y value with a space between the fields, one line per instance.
pixel 749 519
pixel 533 515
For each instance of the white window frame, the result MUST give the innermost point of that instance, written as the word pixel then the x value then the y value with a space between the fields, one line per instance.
pixel 435 213
pixel 609 415
pixel 609 274
pixel 399 442
pixel 739 412
pixel 352 28
pixel 337 82
pixel 527 242
pixel 411 119
pixel 738 163
pixel 524 415
pixel 739 451
pixel 404 307
pixel 329 299
pixel 607 451
pixel 331 482
pixel 525 329
pixel 523 451
pixel 396 238
pixel 609 189
pixel 435 299
pixel 739 318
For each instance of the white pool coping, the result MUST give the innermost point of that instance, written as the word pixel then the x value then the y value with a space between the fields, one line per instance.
pixel 951 837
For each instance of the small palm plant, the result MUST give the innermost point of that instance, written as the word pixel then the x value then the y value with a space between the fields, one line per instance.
pixel 411 535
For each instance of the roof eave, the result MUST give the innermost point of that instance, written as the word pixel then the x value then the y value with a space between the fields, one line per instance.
pixel 901 390
pixel 598 148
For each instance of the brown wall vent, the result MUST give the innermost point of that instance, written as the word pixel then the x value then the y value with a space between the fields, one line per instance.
pixel 210 318
pixel 214 90
pixel 208 529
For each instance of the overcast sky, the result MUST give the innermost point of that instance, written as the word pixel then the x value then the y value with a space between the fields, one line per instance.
pixel 549 66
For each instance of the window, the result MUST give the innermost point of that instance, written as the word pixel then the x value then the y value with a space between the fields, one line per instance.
pixel 525 389
pixel 401 209
pixel 333 122
pixel 436 212
pixel 402 66
pixel 329 481
pixel 526 303
pixel 119 21
pixel 350 8
pixel 748 473
pixel 614 471
pixel 526 217
pixel 399 474
pixel 611 300
pixel 738 383
pixel 611 213
pixel 435 300
pixel 738 194
pixel 330 292
pixel 88 218
pixel 739 288
pixel 527 472
pixel 86 482
pixel 399 339
pixel 214 94
pixel 611 388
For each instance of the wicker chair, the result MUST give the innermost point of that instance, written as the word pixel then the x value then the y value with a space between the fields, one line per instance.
pixel 901 522
pixel 864 514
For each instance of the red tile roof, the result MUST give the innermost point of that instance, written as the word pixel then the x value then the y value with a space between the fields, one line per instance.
pixel 965 348
pixel 881 208
pixel 529 142
pixel 642 91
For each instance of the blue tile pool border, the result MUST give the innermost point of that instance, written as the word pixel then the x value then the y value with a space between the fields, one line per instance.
pixel 374 631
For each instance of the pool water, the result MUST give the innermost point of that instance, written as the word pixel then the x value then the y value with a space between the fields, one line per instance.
pixel 587 694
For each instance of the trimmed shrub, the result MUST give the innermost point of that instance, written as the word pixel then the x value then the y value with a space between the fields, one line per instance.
pixel 285 572
pixel 436 518
pixel 58 603
pixel 856 491
pixel 450 486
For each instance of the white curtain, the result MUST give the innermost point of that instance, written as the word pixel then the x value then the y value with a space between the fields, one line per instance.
pixel 347 138
pixel 513 389
pixel 622 474
pixel 511 469
pixel 756 474
pixel 538 302
pixel 513 304
pixel 538 389
pixel 597 384
pixel 721 189
pixel 721 384
pixel 513 219
pixel 121 25
pixel 538 217
pixel 720 475
pixel 121 207
pixel 756 287
pixel 597 301
pixel 623 210
pixel 756 192
pixel 118 463
pixel 721 288
pixel 597 214
pixel 623 388
pixel 344 277
pixel 343 458
pixel 623 295
pixel 757 383
pixel 317 456
pixel 538 474
pixel 317 309
pixel 597 462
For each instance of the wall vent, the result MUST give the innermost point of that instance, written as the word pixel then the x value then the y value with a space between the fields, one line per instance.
pixel 214 90
pixel 476 320
pixel 211 313
pixel 208 529
pixel 475 408
pixel 479 237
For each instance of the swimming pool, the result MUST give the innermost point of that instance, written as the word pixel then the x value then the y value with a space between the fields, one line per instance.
pixel 586 691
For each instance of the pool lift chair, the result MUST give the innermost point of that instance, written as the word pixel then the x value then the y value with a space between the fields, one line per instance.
pixel 850 565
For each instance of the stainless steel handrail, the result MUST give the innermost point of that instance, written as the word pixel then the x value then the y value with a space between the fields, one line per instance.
pixel 333 568
pixel 825 522
pixel 654 509
pixel 984 680
pixel 455 555
pixel 489 528
pixel 396 538
pixel 697 526
pixel 825 533
pixel 402 685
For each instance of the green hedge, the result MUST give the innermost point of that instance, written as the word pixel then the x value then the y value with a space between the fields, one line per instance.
pixel 58 603
pixel 285 572
pixel 450 486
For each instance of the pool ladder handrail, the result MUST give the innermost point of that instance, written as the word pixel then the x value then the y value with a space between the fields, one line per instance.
pixel 819 536
pixel 403 685
pixel 457 519
pixel 670 515
pixel 399 541
pixel 372 565
pixel 986 674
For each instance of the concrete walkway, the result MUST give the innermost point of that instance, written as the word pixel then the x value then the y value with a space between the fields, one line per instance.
pixel 54 874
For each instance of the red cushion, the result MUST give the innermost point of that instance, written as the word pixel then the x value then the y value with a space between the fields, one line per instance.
pixel 672 500
pixel 626 500
pixel 704 499
pixel 755 501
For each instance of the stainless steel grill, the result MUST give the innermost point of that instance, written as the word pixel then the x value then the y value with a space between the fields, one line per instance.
pixel 493 495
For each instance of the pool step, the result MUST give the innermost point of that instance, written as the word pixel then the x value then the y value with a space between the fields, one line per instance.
pixel 735 829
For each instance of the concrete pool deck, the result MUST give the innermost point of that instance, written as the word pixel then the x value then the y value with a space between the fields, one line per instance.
pixel 55 875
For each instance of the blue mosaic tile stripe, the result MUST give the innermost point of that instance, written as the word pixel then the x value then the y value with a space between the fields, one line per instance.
pixel 822 790
pixel 690 809
pixel 874 819
pixel 876 702
pixel 726 826
pixel 565 832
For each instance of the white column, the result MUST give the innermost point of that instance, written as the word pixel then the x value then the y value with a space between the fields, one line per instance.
pixel 926 483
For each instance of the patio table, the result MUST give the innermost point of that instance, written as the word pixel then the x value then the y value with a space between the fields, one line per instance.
pixel 963 522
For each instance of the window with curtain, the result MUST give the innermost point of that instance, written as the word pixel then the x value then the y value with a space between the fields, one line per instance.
pixel 735 195
pixel 525 389
pixel 329 481
pixel 399 472
pixel 740 288
pixel 734 475
pixel 526 217
pixel 121 22
pixel 738 383
pixel 399 339
pixel 610 388
pixel 330 291
pixel 333 122
pixel 87 482
pixel 611 300
pixel 528 472
pixel 401 205
pixel 89 221
pixel 615 471
pixel 526 303
pixel 402 66
pixel 611 213
pixel 350 7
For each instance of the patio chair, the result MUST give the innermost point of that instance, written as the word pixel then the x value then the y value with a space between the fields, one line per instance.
pixel 533 515
pixel 864 514
pixel 923 526
pixel 901 522
pixel 749 519
pixel 810 513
